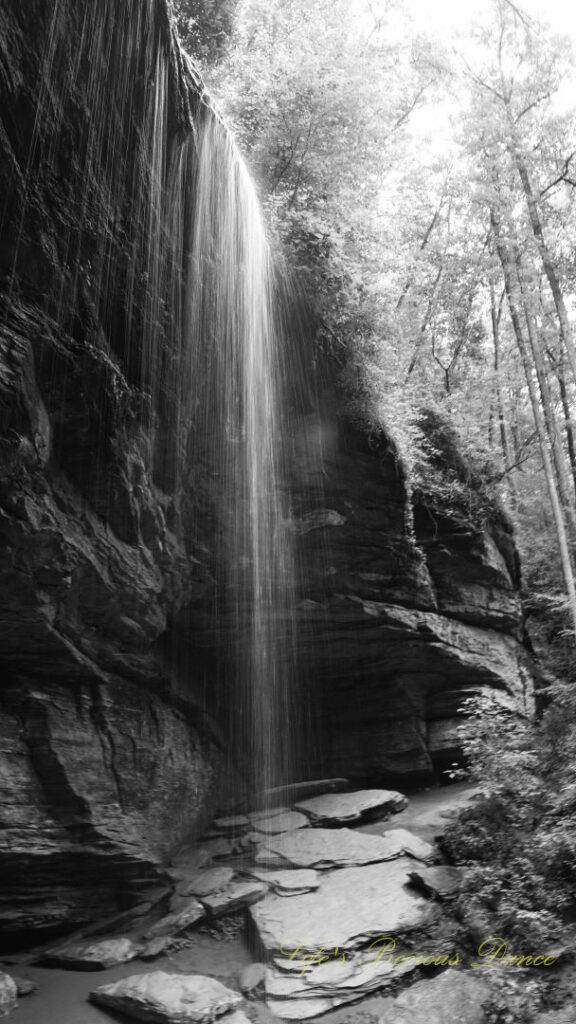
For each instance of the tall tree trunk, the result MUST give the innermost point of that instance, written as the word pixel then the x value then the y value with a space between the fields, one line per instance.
pixel 559 370
pixel 514 298
pixel 545 255
pixel 427 318
pixel 552 428
pixel 495 311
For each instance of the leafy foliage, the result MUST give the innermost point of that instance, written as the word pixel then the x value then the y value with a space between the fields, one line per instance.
pixel 517 838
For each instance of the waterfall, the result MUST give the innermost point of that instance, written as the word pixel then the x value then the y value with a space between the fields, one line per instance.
pixel 237 354
pixel 164 254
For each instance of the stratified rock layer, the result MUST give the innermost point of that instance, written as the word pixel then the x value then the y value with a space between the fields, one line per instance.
pixel 410 609
pixel 106 760
pixel 327 848
pixel 350 907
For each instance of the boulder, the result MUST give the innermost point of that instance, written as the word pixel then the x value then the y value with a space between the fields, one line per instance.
pixel 168 998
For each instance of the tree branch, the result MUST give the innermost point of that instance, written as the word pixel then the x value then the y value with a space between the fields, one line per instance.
pixel 561 177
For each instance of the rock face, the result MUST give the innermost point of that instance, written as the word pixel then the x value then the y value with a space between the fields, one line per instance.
pixel 105 754
pixel 411 607
pixel 111 720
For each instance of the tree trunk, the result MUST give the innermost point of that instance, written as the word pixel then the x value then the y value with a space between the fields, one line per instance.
pixel 500 411
pixel 545 255
pixel 514 305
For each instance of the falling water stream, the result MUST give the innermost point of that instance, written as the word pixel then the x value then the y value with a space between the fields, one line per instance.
pixel 235 345
pixel 165 239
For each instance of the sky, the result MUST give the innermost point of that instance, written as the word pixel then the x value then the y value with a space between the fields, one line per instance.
pixel 445 15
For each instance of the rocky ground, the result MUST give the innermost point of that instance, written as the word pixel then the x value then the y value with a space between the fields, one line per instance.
pixel 336 906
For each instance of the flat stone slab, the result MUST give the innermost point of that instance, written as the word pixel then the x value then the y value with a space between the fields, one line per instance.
pixel 285 822
pixel 453 997
pixel 329 848
pixel 442 881
pixel 292 792
pixel 232 824
pixel 256 816
pixel 205 882
pixel 332 983
pixel 173 924
pixel 235 897
pixel 168 998
pixel 350 908
pixel 413 845
pixel 92 956
pixel 343 808
pixel 288 883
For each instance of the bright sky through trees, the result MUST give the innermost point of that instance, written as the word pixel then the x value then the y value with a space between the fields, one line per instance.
pixel 445 16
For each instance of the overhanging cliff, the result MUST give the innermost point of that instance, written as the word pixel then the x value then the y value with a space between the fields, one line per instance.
pixel 113 609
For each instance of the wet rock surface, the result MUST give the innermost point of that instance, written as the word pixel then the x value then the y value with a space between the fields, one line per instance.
pixel 443 881
pixel 206 882
pixel 288 883
pixel 327 848
pixel 364 936
pixel 306 992
pixel 281 823
pixel 344 808
pixel 234 897
pixel 170 998
pixel 97 956
pixel 350 906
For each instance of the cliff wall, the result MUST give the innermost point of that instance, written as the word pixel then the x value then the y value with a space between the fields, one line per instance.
pixel 113 731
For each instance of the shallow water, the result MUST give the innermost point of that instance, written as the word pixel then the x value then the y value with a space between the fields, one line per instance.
pixel 62 996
